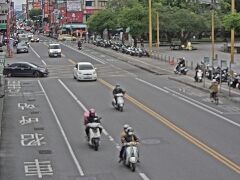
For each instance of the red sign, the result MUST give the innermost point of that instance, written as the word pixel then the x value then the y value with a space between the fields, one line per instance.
pixel 74 17
pixel 37 5
pixel 45 8
pixel 89 11
pixel 62 14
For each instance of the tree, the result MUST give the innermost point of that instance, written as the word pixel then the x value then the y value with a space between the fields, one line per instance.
pixel 35 13
pixel 136 18
pixel 232 21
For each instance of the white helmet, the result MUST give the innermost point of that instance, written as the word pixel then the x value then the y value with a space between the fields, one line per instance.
pixel 214 80
pixel 125 127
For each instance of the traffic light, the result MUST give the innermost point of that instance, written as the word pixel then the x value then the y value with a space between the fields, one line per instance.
pixel 38 20
pixel 60 17
pixel 26 20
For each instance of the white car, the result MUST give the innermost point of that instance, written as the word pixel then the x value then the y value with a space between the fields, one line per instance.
pixel 84 71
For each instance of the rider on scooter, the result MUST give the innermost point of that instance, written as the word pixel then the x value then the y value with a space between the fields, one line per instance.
pixel 91 119
pixel 124 133
pixel 79 43
pixel 181 63
pixel 214 89
pixel 129 137
pixel 117 90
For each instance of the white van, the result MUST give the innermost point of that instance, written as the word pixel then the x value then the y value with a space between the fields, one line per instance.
pixel 54 50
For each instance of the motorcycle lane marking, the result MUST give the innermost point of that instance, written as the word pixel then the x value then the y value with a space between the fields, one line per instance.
pixel 62 131
pixel 105 132
pixel 181 132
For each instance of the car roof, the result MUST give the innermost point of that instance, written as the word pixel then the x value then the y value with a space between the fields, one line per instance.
pixel 81 63
pixel 53 44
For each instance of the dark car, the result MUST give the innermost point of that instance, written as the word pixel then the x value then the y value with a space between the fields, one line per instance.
pixel 25 69
pixel 22 48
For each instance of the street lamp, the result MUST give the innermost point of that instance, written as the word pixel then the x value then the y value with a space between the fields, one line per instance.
pixel 158 35
pixel 150 26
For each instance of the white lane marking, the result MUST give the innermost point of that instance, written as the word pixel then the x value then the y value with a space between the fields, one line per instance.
pixel 144 176
pixel 104 131
pixel 152 85
pixel 86 54
pixel 44 62
pixel 34 51
pixel 209 111
pixel 179 94
pixel 63 133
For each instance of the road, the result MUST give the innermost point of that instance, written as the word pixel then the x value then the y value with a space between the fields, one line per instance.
pixel 183 136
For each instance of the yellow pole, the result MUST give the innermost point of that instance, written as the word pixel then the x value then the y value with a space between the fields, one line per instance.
pixel 232 38
pixel 150 26
pixel 158 38
pixel 212 33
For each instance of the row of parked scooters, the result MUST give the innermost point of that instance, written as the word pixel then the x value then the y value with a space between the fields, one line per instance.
pixel 221 75
pixel 116 46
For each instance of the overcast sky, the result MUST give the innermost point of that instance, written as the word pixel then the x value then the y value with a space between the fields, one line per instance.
pixel 19 2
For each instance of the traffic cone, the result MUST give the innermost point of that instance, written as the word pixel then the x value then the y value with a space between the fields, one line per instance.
pixel 172 62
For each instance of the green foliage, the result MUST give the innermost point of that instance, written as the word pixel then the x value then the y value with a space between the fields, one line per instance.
pixel 232 21
pixel 33 13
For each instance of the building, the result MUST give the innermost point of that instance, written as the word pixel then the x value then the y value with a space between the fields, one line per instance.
pixel 7 10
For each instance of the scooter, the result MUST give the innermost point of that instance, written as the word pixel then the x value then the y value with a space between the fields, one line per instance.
pixel 120 101
pixel 79 47
pixel 131 155
pixel 199 76
pixel 183 70
pixel 94 134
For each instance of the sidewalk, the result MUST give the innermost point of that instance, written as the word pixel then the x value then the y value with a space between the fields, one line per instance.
pixel 161 66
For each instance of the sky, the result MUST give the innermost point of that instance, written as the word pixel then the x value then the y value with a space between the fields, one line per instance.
pixel 19 2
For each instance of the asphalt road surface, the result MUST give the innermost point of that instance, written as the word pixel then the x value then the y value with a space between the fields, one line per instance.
pixel 183 136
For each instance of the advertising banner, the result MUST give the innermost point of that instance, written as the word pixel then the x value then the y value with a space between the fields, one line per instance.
pixel 37 5
pixel 74 6
pixel 45 8
pixel 63 14
pixel 74 17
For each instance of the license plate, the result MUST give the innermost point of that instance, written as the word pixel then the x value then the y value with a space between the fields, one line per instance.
pixel 55 55
pixel 88 77
pixel 22 50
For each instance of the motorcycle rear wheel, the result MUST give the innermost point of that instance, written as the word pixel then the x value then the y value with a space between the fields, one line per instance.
pixel 96 146
pixel 121 109
pixel 133 166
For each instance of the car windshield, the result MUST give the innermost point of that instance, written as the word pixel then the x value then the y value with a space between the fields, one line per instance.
pixel 54 46
pixel 85 67
pixel 22 44
pixel 23 39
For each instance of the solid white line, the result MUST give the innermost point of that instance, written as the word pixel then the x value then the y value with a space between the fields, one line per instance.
pixel 63 133
pixel 74 97
pixel 34 51
pixel 211 112
pixel 152 85
pixel 144 176
pixel 179 94
pixel 44 62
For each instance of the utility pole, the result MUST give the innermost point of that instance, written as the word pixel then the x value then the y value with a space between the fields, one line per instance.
pixel 8 33
pixel 232 40
pixel 150 25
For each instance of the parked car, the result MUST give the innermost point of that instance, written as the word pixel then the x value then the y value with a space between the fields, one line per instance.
pixel 25 69
pixel 22 47
pixel 54 50
pixel 84 71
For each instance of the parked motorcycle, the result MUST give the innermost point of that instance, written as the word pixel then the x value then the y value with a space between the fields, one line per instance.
pixel 234 82
pixel 199 76
pixel 131 155
pixel 120 101
pixel 94 134
pixel 183 70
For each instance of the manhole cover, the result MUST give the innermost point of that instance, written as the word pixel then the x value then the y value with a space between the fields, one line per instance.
pixel 35 112
pixel 151 141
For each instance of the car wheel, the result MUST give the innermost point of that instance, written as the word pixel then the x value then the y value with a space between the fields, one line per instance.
pixel 60 55
pixel 36 74
pixel 74 77
pixel 9 74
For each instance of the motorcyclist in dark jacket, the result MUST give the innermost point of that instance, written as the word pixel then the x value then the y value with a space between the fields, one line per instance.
pixel 181 63
pixel 79 43
pixel 90 119
pixel 117 90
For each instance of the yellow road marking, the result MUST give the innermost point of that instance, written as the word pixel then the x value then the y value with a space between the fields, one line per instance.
pixel 63 55
pixel 198 143
pixel 71 61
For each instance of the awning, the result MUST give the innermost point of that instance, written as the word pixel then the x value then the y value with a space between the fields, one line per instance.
pixel 3 26
pixel 75 26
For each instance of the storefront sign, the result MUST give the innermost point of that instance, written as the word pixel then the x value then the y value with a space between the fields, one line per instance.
pixel 74 17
